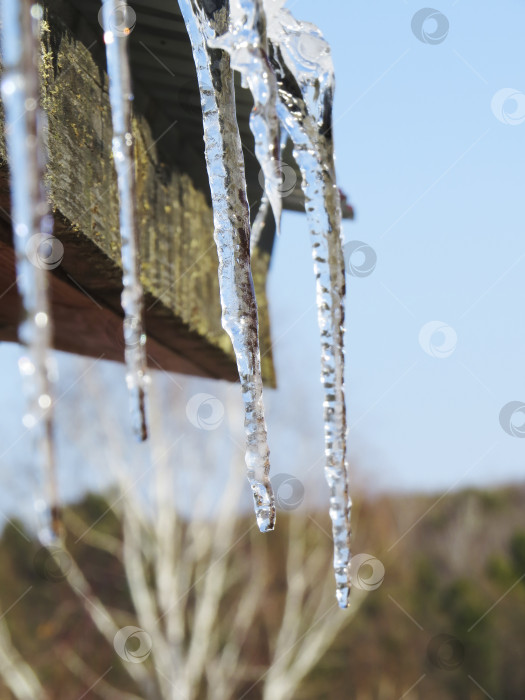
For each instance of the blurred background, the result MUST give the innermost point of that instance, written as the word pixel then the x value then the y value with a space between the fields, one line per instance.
pixel 430 143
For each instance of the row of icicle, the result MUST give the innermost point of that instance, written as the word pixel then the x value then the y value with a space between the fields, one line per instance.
pixel 287 67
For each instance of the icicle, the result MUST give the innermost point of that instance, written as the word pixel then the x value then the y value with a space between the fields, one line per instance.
pixel 262 213
pixel 121 96
pixel 259 223
pixel 303 65
pixel 232 235
pixel 247 44
pixel 36 250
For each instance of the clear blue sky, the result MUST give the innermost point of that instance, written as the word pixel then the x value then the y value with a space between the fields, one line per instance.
pixel 437 181
pixel 438 186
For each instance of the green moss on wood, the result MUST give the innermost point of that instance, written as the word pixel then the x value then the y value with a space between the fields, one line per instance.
pixel 179 259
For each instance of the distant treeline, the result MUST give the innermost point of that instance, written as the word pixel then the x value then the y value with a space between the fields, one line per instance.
pixel 447 621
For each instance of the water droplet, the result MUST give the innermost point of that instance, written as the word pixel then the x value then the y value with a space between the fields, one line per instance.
pixel 26 367
pixel 44 401
pixel 37 11
pixel 41 319
pixel 29 421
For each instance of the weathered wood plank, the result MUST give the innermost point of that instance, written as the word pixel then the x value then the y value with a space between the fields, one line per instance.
pixel 179 271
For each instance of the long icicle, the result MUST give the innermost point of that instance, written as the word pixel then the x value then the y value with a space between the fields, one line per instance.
pixel 247 43
pixel 36 249
pixel 232 235
pixel 302 62
pixel 121 97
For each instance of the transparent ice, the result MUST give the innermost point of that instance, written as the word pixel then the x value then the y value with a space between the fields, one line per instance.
pixel 121 98
pixel 231 216
pixel 259 223
pixel 303 66
pixel 287 66
pixel 247 44
pixel 33 242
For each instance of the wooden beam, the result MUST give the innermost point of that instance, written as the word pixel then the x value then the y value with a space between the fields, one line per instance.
pixel 179 260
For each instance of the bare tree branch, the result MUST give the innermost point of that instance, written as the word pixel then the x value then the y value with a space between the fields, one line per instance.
pixel 17 674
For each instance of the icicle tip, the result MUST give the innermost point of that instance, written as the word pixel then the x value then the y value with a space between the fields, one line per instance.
pixel 343 598
pixel 265 511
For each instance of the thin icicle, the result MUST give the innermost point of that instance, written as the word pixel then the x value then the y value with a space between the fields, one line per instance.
pixel 262 212
pixel 302 62
pixel 260 222
pixel 232 235
pixel 247 44
pixel 36 250
pixel 121 97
